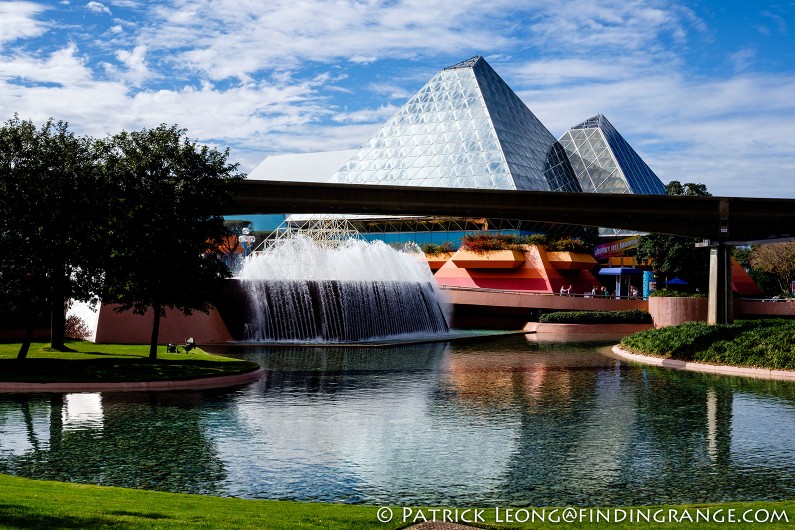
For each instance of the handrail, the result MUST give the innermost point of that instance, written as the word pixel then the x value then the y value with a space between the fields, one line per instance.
pixel 533 293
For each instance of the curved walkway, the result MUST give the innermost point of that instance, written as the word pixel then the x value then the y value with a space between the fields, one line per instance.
pixel 759 373
pixel 203 383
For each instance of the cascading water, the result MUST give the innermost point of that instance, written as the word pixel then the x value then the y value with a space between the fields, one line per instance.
pixel 301 292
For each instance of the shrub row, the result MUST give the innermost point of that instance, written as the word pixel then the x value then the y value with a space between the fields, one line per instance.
pixel 631 316
pixel 433 249
pixel 673 293
pixel 768 343
pixel 487 242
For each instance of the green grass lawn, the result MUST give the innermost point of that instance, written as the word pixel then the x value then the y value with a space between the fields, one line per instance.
pixel 32 504
pixel 111 363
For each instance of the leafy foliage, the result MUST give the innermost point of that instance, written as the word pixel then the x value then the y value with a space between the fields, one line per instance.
pixel 766 281
pixel 432 249
pixel 76 328
pixel 480 243
pixel 167 246
pixel 53 213
pixel 676 255
pixel 630 316
pixel 673 293
pixel 483 242
pixel 777 260
pixel 756 343
pixel 569 245
pixel 687 189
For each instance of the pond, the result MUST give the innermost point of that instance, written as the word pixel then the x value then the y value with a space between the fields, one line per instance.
pixel 511 421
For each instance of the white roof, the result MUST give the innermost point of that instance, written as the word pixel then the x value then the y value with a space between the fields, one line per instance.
pixel 305 167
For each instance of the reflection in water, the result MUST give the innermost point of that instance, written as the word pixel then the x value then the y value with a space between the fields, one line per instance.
pixel 509 421
pixel 150 441
pixel 82 411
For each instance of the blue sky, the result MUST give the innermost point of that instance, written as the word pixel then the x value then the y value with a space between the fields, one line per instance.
pixel 704 90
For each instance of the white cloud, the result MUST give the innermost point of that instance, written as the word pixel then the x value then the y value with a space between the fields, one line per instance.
pixel 381 114
pixel 778 21
pixel 389 90
pixel 19 21
pixel 62 67
pixel 226 32
pixel 733 135
pixel 98 8
pixel 135 62
pixel 285 76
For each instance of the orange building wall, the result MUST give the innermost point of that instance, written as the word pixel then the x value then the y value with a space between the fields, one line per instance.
pixel 537 274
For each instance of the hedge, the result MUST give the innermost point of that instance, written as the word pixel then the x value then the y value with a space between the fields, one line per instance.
pixel 767 343
pixel 672 293
pixel 631 316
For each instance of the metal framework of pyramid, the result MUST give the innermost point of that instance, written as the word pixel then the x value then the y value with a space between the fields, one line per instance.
pixel 326 230
pixel 465 128
pixel 605 163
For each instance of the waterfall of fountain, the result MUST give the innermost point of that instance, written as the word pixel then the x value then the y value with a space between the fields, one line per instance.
pixel 299 291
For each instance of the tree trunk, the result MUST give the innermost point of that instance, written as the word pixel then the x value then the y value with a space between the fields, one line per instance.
pixel 155 332
pixel 23 349
pixel 57 311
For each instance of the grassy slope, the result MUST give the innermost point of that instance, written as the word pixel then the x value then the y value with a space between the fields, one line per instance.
pixel 756 343
pixel 33 504
pixel 111 363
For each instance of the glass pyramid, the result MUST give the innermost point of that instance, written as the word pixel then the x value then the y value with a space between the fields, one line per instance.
pixel 605 163
pixel 464 129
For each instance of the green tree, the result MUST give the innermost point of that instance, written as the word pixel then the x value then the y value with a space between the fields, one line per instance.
pixel 676 255
pixel 51 199
pixel 687 189
pixel 765 280
pixel 166 234
pixel 776 260
pixel 23 278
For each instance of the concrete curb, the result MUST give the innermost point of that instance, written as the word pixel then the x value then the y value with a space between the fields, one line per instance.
pixel 203 383
pixel 573 329
pixel 758 373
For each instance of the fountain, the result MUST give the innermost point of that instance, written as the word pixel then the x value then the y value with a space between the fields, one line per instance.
pixel 301 289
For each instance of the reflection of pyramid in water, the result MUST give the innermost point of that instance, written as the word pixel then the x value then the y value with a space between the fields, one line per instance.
pixel 464 129
pixel 605 163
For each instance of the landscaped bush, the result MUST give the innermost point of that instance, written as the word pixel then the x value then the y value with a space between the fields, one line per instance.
pixel 631 316
pixel 480 243
pixel 570 245
pixel 673 293
pixel 768 343
pixel 433 249
pixel 534 239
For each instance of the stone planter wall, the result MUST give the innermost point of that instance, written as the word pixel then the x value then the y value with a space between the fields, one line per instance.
pixel 670 311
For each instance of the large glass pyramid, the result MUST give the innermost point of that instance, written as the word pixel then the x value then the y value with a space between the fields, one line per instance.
pixel 464 129
pixel 605 163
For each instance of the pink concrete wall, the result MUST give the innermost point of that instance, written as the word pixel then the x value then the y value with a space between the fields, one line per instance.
pixel 753 307
pixel 539 301
pixel 129 328
pixel 670 311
